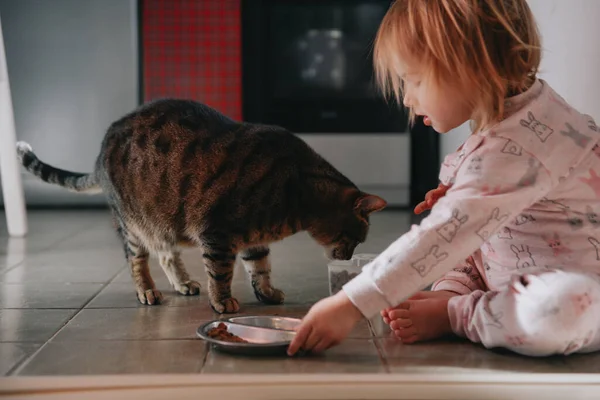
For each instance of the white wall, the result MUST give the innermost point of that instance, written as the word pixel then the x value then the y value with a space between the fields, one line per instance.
pixel 450 141
pixel 570 32
pixel 72 66
pixel 376 163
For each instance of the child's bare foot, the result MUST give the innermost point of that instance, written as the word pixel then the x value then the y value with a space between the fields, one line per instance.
pixel 422 317
pixel 422 295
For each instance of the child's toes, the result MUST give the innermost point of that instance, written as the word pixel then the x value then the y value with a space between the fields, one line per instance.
pixel 405 333
pixel 399 314
pixel 385 316
pixel 401 323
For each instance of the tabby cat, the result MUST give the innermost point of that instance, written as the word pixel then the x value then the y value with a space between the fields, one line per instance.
pixel 177 172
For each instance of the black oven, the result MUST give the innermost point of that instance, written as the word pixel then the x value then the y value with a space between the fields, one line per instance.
pixel 307 65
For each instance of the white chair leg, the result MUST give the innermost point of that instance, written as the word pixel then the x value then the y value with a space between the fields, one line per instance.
pixel 10 173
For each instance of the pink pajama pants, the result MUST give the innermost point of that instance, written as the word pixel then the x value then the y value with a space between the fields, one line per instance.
pixel 551 312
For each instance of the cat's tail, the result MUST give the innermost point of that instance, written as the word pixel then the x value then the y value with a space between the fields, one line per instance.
pixel 74 181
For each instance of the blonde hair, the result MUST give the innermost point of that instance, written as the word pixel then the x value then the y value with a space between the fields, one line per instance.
pixel 489 47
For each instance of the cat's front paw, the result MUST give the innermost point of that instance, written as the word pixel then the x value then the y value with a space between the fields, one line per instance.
pixel 189 288
pixel 226 306
pixel 150 296
pixel 269 295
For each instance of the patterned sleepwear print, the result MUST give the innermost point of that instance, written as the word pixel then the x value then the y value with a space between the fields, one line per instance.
pixel 516 236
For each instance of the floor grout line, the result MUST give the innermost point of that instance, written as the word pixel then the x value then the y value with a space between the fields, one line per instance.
pixel 208 348
pixel 375 339
pixel 43 249
pixel 22 363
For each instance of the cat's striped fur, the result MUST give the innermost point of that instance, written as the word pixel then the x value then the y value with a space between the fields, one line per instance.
pixel 177 172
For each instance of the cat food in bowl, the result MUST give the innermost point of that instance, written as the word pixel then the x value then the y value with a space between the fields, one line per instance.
pixel 221 333
pixel 245 339
pixel 343 271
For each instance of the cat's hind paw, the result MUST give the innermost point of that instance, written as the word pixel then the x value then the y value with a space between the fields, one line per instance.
pixel 189 288
pixel 269 295
pixel 226 306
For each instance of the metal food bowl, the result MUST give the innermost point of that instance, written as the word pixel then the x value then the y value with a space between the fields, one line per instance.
pixel 266 321
pixel 262 341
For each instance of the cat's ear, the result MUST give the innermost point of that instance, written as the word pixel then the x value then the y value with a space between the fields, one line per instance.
pixel 369 203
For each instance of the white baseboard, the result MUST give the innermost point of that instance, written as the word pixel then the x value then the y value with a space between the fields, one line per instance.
pixel 465 386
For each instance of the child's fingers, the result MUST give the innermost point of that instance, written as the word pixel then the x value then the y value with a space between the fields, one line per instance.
pixel 429 195
pixel 436 197
pixel 440 192
pixel 419 208
pixel 313 339
pixel 431 198
pixel 300 339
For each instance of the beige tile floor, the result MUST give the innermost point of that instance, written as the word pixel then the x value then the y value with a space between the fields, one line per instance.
pixel 67 307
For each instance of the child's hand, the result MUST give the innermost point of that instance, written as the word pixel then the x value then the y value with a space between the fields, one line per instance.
pixel 327 323
pixel 431 198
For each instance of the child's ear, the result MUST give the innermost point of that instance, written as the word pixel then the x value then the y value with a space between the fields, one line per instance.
pixel 367 204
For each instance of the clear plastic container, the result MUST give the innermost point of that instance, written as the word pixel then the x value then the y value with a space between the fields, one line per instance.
pixel 343 271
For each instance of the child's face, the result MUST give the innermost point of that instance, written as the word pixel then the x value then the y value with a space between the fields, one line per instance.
pixel 442 106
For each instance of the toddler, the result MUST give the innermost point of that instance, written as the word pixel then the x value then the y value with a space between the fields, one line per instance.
pixel 512 242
